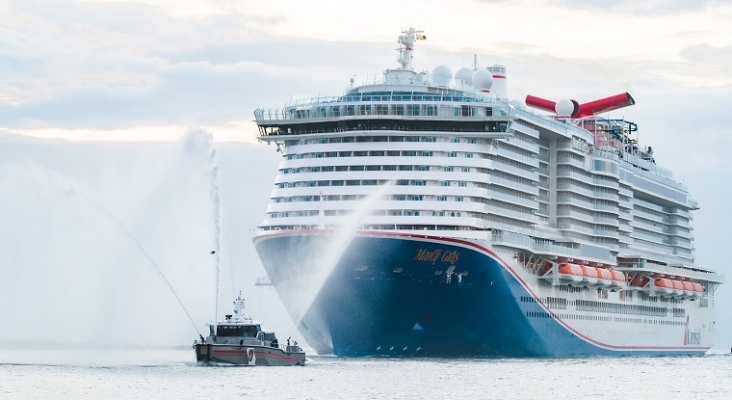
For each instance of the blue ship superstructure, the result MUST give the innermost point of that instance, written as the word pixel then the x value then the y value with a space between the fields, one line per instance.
pixel 428 215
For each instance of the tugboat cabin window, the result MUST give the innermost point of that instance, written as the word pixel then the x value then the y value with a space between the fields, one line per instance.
pixel 237 330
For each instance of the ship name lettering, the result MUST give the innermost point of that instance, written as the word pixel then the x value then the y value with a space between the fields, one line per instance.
pixel 426 255
pixel 451 257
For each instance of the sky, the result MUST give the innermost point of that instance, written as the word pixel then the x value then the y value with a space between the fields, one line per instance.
pixel 79 74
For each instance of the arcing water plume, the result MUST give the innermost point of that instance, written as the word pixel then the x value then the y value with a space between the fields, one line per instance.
pixel 72 221
pixel 95 200
pixel 200 138
pixel 322 262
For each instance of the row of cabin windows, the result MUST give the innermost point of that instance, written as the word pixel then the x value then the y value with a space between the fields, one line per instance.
pixel 351 197
pixel 617 308
pixel 329 213
pixel 541 314
pixel 374 182
pixel 378 153
pixel 344 168
pixel 376 227
pixel 397 139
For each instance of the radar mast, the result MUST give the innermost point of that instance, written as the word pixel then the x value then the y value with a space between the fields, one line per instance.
pixel 406 46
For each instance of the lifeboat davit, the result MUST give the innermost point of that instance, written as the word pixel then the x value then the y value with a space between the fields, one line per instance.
pixel 590 275
pixel 604 277
pixel 664 286
pixel 639 281
pixel 618 279
pixel 570 273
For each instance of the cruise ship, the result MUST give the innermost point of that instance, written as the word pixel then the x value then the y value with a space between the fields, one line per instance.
pixel 428 215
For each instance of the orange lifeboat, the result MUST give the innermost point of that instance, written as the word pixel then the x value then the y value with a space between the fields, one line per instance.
pixel 678 287
pixel 590 274
pixel 698 288
pixel 604 277
pixel 664 286
pixel 688 289
pixel 618 278
pixel 571 273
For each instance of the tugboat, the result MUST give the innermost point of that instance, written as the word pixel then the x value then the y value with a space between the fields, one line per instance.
pixel 241 340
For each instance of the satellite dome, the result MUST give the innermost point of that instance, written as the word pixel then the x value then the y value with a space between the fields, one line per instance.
pixel 465 74
pixel 565 108
pixel 442 75
pixel 482 79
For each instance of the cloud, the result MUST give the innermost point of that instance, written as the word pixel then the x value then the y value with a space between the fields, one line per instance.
pixel 645 7
pixel 706 54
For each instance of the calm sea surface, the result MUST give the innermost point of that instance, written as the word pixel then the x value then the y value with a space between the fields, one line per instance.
pixel 171 374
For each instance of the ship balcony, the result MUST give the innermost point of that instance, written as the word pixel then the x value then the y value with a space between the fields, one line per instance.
pixel 508 198
pixel 566 160
pixel 576 175
pixel 606 221
pixel 558 126
pixel 625 215
pixel 658 239
pixel 625 192
pixel 517 215
pixel 568 226
pixel 506 153
pixel 606 183
pixel 510 169
pixel 686 271
pixel 626 204
pixel 606 207
pixel 681 242
pixel 563 212
pixel 382 160
pixel 605 195
pixel 568 185
pixel 649 226
pixel 511 184
pixel 439 145
pixel 356 178
pixel 521 144
pixel 681 232
pixel 679 213
pixel 574 201
pixel 513 239
pixel 625 228
pixel 609 233
pixel 678 222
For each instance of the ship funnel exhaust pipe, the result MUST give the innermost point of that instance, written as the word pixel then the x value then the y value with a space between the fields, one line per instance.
pixel 573 109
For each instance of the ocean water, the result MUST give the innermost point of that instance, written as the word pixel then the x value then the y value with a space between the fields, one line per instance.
pixel 172 374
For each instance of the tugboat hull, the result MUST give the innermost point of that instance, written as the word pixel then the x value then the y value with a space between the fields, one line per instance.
pixel 248 355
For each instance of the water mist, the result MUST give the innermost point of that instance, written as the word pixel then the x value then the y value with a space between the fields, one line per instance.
pixel 322 260
pixel 89 230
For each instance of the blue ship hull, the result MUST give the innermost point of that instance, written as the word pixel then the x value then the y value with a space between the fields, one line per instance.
pixel 390 295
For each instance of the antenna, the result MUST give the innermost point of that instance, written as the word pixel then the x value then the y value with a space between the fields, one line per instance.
pixel 475 63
